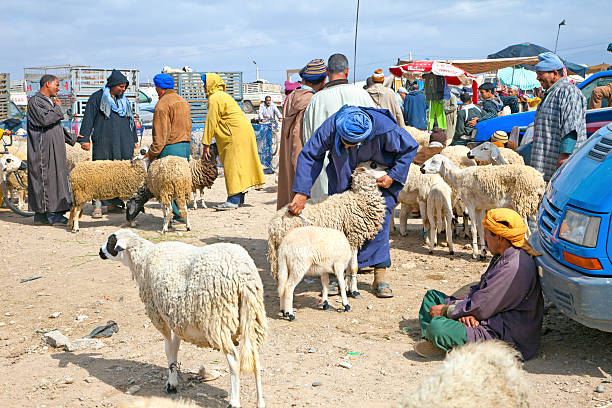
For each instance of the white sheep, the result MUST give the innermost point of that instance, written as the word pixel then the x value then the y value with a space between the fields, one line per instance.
pixel 359 213
pixel 487 152
pixel 420 136
pixel 209 296
pixel 482 188
pixel 169 178
pixel 459 155
pixel 458 381
pixel 440 214
pixel 314 251
pixel 14 172
pixel 102 180
pixel 414 194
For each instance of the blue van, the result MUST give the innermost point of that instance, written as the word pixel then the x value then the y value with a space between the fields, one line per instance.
pixel 575 237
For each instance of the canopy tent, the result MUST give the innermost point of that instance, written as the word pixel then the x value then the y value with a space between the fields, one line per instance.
pixel 598 68
pixel 453 75
pixel 532 50
pixel 519 77
pixel 479 66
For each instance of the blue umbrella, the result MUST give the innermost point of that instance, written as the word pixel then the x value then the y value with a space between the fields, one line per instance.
pixel 519 77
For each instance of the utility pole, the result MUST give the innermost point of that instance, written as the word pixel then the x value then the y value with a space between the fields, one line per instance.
pixel 256 71
pixel 355 54
pixel 559 29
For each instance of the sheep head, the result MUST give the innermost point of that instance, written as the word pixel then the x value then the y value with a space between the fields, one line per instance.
pixel 136 203
pixel 486 152
pixel 116 244
pixel 365 175
pixel 436 164
pixel 10 163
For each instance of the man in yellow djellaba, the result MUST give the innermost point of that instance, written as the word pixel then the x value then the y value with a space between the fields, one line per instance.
pixel 235 140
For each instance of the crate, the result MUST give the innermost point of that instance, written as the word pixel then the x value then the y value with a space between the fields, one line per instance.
pixel 5 101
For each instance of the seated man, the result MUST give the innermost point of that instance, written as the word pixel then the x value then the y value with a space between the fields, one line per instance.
pixel 467 112
pixel 506 304
pixel 348 137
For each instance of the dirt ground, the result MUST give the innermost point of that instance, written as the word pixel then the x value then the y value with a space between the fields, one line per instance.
pixel 376 338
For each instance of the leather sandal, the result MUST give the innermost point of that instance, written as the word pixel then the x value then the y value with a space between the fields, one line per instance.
pixel 383 290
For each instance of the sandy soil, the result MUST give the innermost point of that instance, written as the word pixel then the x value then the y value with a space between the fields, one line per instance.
pixel 376 338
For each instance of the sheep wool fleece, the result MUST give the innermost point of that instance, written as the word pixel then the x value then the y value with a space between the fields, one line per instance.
pixel 389 145
pixel 235 138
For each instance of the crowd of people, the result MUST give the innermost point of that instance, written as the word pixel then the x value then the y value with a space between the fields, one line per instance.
pixel 329 127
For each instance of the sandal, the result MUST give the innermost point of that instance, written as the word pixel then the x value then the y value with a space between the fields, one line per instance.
pixel 426 349
pixel 97 213
pixel 383 290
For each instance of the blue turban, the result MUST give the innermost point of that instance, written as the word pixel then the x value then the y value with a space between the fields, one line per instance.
pixel 548 62
pixel 163 81
pixel 203 76
pixel 353 125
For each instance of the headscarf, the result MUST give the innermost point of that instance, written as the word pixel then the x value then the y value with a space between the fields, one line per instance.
pixel 378 76
pixel 163 81
pixel 315 70
pixel 514 232
pixel 212 83
pixel 116 78
pixel 353 125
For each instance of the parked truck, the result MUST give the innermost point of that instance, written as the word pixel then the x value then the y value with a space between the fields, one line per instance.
pixel 254 94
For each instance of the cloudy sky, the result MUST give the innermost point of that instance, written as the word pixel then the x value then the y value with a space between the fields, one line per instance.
pixel 229 35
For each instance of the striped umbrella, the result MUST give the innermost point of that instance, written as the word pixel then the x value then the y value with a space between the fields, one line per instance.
pixel 519 77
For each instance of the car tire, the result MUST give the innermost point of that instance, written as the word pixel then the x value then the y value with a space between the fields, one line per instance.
pixel 247 107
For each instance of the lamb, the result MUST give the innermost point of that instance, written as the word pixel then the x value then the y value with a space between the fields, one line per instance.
pixel 414 194
pixel 101 180
pixel 440 214
pixel 209 296
pixel 482 188
pixel 204 172
pixel 487 152
pixel 359 213
pixel 14 172
pixel 466 369
pixel 420 136
pixel 313 251
pixel 169 178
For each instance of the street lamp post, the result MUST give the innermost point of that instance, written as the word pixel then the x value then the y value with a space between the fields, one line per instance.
pixel 257 70
pixel 559 29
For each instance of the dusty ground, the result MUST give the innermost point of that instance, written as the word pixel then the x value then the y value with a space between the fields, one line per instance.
pixel 379 334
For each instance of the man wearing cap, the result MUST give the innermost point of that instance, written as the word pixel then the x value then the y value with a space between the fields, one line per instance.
pixel 415 108
pixel 109 123
pixel 400 95
pixel 467 112
pixel 491 103
pixel 506 304
pixel 313 80
pixel 384 98
pixel 349 137
pixel 336 93
pixel 437 143
pixel 560 120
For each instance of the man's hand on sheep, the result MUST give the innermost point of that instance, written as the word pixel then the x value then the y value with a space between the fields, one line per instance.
pixel 206 152
pixel 436 310
pixel 86 146
pixel 469 321
pixel 384 181
pixel 297 205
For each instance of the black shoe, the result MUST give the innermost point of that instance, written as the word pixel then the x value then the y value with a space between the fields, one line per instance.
pixel 57 219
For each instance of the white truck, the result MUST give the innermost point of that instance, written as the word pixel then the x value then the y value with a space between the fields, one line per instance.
pixel 254 93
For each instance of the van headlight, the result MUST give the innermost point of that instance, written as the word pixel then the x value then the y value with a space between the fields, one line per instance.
pixel 580 229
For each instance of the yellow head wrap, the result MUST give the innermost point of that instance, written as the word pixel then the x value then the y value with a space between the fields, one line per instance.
pixel 514 232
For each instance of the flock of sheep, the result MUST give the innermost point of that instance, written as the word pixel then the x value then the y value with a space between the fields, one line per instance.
pixel 212 296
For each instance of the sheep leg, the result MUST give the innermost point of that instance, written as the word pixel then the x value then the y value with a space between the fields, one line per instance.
pixel 172 344
pixel 339 271
pixel 449 232
pixel 483 251
pixel 403 221
pixel 325 291
pixel 167 211
pixel 289 301
pixel 260 398
pixel 186 214
pixel 233 361
pixel 77 214
pixel 424 218
pixel 282 276
pixel 192 202
pixel 393 218
pixel 353 267
pixel 473 226
pixel 201 198
pixel 433 236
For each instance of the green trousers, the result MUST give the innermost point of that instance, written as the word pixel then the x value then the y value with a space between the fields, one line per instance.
pixel 180 149
pixel 441 331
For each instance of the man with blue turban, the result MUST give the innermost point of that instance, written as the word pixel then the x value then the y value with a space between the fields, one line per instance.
pixel 171 125
pixel 559 127
pixel 351 136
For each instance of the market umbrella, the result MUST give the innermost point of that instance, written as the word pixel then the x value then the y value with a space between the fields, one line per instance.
pixel 519 77
pixel 530 50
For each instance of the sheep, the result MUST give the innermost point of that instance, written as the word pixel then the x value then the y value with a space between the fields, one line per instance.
pixel 101 180
pixel 420 136
pixel 359 213
pixel 490 153
pixel 440 214
pixel 168 70
pixel 204 172
pixel 414 194
pixel 459 156
pixel 14 171
pixel 458 380
pixel 482 188
pixel 156 402
pixel 209 296
pixel 169 178
pixel 313 251
pixel 74 155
